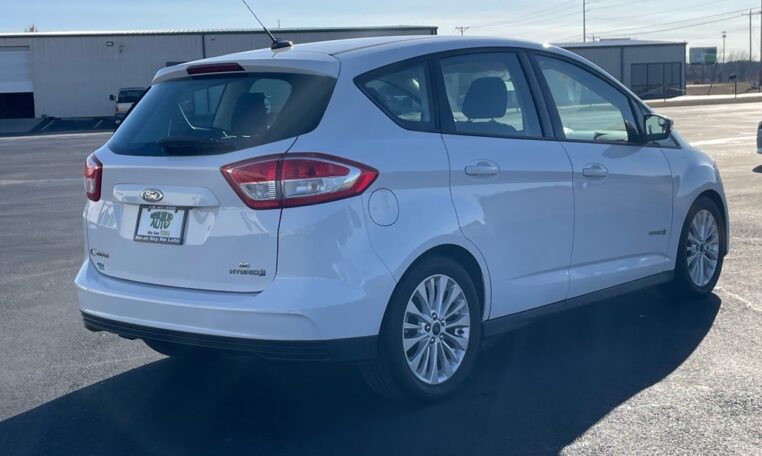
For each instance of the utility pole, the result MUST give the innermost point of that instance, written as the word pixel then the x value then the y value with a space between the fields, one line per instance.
pixel 584 21
pixel 461 29
pixel 750 14
pixel 760 45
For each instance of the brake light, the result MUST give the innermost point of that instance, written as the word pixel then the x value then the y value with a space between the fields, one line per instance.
pixel 297 179
pixel 93 174
pixel 214 68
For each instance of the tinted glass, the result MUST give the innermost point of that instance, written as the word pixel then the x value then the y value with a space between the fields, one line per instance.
pixel 209 115
pixel 489 95
pixel 403 93
pixel 129 96
pixel 590 108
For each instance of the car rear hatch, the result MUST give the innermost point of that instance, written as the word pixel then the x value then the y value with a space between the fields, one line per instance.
pixel 161 210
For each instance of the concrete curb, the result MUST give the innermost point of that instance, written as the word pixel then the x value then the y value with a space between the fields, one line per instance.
pixel 703 101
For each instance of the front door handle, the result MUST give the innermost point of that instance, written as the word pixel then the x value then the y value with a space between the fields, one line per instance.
pixel 482 168
pixel 595 170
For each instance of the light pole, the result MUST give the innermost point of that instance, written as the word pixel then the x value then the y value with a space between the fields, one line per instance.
pixel 584 20
pixel 724 35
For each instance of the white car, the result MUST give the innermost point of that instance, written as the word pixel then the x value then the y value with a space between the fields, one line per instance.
pixel 388 201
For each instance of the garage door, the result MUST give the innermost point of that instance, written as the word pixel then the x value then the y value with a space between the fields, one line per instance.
pixel 16 91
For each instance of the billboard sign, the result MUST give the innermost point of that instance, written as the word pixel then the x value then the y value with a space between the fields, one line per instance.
pixel 703 55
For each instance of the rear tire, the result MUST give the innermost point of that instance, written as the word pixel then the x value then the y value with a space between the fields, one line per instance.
pixel 426 351
pixel 701 250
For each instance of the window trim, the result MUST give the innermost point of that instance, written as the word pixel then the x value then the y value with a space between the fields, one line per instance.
pixel 445 111
pixel 553 109
pixel 433 125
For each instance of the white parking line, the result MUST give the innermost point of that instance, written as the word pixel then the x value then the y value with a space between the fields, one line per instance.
pixel 714 142
pixel 740 298
pixel 36 181
pixel 62 135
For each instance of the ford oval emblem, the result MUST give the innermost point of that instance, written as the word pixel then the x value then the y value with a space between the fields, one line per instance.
pixel 152 195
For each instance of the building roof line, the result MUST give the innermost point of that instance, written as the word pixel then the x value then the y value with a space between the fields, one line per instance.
pixel 91 33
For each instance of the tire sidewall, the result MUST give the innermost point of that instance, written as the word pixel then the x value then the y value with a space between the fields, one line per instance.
pixel 683 277
pixel 391 350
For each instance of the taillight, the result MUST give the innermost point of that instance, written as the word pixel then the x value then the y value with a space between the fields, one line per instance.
pixel 93 175
pixel 214 68
pixel 297 179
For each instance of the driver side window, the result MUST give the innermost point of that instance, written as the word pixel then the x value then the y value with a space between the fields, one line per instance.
pixel 590 109
pixel 402 92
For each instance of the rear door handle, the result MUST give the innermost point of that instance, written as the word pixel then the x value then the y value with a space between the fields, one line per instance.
pixel 482 168
pixel 595 170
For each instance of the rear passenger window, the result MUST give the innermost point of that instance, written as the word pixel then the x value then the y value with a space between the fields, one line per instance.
pixel 403 93
pixel 489 95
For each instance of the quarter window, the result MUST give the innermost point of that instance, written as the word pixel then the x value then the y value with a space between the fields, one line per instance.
pixel 402 93
pixel 590 108
pixel 489 95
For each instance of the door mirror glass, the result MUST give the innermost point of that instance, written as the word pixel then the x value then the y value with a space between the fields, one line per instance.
pixel 111 97
pixel 658 127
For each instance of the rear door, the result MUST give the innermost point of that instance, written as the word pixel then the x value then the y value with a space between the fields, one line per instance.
pixel 623 190
pixel 166 214
pixel 511 188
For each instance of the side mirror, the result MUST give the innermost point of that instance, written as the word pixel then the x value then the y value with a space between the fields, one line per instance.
pixel 658 127
pixel 111 97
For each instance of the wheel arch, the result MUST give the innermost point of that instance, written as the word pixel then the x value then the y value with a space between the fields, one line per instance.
pixel 475 269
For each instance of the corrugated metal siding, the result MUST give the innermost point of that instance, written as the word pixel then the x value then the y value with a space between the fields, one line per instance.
pixel 73 76
pixel 654 54
pixel 608 58
pixel 618 60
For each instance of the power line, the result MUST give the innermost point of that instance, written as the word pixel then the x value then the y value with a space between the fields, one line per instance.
pixel 564 6
pixel 633 29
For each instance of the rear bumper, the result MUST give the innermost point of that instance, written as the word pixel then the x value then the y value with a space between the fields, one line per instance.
pixel 352 349
pixel 288 310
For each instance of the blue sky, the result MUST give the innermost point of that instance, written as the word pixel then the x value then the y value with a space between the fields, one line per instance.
pixel 539 20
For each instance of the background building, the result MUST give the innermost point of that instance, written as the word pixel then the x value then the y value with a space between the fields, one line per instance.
pixel 72 74
pixel 651 69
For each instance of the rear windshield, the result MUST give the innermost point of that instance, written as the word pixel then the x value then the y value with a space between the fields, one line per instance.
pixel 212 115
pixel 129 96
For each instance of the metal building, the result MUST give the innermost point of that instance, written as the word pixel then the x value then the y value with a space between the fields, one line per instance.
pixel 72 74
pixel 651 69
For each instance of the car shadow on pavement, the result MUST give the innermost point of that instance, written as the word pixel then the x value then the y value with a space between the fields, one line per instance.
pixel 758 169
pixel 533 391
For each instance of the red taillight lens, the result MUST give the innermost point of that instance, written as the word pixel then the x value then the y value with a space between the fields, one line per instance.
pixel 93 174
pixel 214 68
pixel 294 179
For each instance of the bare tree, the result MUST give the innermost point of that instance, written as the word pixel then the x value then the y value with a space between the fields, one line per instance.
pixel 31 29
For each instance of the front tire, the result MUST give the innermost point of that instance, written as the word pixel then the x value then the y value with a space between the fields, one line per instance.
pixel 430 334
pixel 700 254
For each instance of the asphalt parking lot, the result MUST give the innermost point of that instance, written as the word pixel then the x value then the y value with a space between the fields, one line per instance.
pixel 634 375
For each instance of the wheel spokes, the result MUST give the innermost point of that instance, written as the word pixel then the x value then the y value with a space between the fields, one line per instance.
pixel 435 329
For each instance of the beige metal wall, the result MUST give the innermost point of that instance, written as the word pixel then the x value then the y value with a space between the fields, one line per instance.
pixel 618 60
pixel 220 44
pixel 73 76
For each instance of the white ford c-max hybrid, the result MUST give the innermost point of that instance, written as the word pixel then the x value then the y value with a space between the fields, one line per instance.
pixel 387 201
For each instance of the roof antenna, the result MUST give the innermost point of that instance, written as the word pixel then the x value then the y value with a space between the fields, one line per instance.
pixel 277 43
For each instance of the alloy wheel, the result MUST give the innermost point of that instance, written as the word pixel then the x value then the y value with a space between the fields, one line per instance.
pixel 703 248
pixel 436 329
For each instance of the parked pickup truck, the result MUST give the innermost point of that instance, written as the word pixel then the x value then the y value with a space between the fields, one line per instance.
pixel 123 101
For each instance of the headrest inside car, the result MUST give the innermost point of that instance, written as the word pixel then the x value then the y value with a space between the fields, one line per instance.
pixel 486 98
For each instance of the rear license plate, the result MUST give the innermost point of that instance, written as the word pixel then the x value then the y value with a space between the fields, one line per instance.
pixel 161 224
